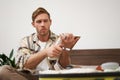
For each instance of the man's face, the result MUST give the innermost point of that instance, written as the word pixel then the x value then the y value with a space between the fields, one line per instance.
pixel 42 24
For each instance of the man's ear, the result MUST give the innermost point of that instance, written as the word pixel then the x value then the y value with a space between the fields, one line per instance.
pixel 32 24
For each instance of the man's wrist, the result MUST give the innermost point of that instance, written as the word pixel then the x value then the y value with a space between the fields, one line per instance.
pixel 45 52
pixel 67 49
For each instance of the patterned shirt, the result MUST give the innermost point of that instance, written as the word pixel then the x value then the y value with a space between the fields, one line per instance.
pixel 30 45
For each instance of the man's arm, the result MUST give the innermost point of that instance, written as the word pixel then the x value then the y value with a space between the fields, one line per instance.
pixel 64 59
pixel 68 41
pixel 35 59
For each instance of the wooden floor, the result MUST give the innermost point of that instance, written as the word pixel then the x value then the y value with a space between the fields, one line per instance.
pixel 94 56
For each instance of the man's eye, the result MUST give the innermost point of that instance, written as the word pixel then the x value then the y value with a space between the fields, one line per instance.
pixel 45 20
pixel 38 21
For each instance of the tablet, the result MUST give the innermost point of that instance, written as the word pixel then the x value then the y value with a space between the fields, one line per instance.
pixel 76 40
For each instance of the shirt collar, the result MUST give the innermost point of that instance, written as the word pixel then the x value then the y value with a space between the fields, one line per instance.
pixel 53 37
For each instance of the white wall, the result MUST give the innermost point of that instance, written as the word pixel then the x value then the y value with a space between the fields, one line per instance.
pixel 96 21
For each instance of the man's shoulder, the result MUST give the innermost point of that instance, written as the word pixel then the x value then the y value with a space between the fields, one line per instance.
pixel 29 36
pixel 53 36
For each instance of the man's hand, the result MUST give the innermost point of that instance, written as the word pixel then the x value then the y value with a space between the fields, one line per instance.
pixel 68 40
pixel 54 51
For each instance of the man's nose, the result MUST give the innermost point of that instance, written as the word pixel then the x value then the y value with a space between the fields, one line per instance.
pixel 42 24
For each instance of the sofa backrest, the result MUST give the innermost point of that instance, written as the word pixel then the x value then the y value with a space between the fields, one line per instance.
pixel 94 56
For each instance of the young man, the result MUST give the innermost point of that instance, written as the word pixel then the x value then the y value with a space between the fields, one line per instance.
pixel 37 49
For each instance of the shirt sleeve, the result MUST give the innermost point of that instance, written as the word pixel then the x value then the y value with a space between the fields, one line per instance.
pixel 23 53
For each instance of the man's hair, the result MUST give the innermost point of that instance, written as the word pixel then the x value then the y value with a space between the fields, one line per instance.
pixel 38 11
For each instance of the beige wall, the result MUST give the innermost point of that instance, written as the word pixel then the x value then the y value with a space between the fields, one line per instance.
pixel 96 21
